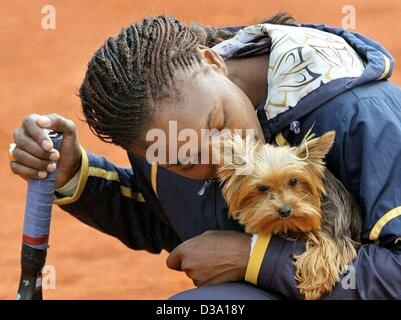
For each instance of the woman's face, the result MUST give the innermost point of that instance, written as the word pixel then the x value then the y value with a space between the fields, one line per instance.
pixel 207 100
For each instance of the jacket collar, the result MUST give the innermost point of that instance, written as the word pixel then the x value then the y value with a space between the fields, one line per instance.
pixel 250 41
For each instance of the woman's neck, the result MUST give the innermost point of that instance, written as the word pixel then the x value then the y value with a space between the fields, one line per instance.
pixel 250 75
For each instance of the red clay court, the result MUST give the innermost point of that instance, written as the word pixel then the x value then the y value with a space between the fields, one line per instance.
pixel 41 72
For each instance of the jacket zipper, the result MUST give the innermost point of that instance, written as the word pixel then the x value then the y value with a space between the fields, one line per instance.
pixel 201 192
pixel 214 199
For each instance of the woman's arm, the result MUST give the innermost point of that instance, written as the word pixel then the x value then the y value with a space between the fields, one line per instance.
pixel 374 274
pixel 370 137
pixel 107 198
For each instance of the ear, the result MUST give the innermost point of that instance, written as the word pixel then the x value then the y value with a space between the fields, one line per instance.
pixel 213 59
pixel 314 150
pixel 235 156
pixel 236 162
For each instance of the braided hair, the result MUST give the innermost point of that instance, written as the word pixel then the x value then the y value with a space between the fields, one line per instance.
pixel 130 73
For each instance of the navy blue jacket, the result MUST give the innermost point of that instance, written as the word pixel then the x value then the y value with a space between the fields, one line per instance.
pixel 150 208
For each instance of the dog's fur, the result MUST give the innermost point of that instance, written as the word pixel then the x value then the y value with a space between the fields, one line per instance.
pixel 294 179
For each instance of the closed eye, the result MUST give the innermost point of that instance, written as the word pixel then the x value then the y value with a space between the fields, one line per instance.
pixel 263 189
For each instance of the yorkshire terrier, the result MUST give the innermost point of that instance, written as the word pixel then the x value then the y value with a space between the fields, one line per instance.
pixel 290 192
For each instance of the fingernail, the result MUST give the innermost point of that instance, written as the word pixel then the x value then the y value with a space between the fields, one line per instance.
pixel 43 121
pixel 51 167
pixel 42 174
pixel 54 155
pixel 47 145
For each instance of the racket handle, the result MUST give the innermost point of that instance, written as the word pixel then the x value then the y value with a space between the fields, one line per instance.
pixel 37 218
pixel 32 262
pixel 39 201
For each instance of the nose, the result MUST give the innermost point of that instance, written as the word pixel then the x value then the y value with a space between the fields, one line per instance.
pixel 284 212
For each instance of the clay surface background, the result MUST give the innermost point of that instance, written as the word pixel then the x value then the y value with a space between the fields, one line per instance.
pixel 41 71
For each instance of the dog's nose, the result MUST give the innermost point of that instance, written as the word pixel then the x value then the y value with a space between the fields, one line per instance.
pixel 284 212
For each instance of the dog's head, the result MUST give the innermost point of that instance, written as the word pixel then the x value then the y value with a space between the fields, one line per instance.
pixel 279 188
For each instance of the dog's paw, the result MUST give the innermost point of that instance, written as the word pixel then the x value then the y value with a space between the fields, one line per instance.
pixel 314 281
pixel 313 294
pixel 320 266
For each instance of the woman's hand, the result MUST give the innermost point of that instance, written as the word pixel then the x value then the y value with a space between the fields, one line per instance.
pixel 212 257
pixel 34 156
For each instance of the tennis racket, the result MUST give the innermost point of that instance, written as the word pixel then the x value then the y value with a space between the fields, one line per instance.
pixel 39 201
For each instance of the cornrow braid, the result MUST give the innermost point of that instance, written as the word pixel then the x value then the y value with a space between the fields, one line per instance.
pixel 210 36
pixel 132 71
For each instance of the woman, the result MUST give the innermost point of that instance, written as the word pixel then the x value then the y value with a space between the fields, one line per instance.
pixel 161 72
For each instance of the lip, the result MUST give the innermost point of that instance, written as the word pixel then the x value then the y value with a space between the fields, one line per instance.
pixel 284 218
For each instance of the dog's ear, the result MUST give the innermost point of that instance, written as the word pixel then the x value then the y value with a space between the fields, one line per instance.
pixel 236 161
pixel 235 156
pixel 314 150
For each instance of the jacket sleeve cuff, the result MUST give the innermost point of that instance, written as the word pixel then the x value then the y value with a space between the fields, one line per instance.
pixel 259 249
pixel 271 265
pixel 83 178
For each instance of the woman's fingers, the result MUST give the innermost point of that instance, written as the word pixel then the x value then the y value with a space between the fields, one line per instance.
pixel 32 126
pixel 26 172
pixel 35 151
pixel 29 160
pixel 59 124
pixel 29 145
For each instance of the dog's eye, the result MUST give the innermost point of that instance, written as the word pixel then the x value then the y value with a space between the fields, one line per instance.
pixel 292 182
pixel 263 188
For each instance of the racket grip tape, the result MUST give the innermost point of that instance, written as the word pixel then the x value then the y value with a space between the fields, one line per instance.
pixel 37 218
pixel 39 201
